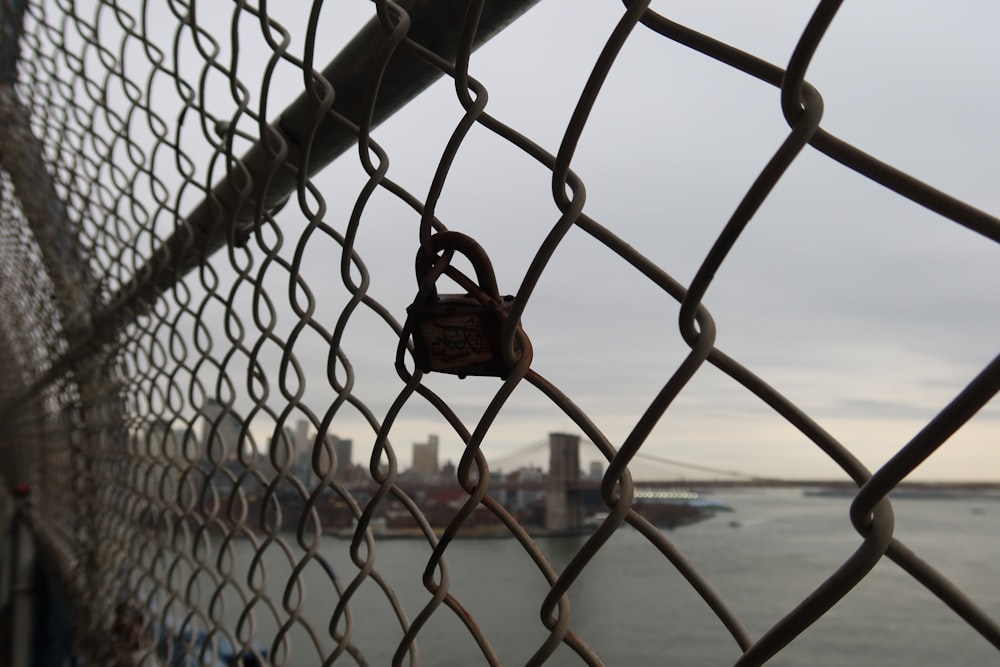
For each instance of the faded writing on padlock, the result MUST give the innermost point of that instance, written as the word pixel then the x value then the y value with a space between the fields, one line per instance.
pixel 460 333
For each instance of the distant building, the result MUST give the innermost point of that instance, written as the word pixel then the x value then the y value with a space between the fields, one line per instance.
pixel 302 451
pixel 283 449
pixel 303 443
pixel 334 451
pixel 596 470
pixel 342 449
pixel 425 458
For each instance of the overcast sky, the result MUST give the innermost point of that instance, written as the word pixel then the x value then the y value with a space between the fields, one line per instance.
pixel 866 310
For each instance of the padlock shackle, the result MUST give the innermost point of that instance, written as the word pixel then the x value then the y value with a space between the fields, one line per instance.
pixel 464 245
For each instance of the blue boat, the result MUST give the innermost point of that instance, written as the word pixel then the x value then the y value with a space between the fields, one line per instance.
pixel 188 649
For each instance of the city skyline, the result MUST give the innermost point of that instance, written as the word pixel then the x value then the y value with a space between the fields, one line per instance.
pixel 427 458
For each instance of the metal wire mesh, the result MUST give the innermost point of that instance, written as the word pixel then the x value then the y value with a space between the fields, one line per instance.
pixel 185 280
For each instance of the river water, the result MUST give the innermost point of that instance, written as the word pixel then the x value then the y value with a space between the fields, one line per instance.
pixel 632 607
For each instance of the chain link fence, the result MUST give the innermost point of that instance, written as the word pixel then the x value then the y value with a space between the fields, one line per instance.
pixel 212 265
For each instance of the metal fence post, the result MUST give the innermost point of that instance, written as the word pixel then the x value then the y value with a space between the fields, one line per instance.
pixel 22 582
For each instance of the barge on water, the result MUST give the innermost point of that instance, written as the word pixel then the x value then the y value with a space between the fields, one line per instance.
pixel 670 508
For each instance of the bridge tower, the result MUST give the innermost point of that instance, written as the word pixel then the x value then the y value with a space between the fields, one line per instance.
pixel 563 511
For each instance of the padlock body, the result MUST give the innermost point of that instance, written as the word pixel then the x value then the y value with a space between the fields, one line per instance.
pixel 455 333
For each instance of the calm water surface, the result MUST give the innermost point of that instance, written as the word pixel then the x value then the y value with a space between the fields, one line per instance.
pixel 632 607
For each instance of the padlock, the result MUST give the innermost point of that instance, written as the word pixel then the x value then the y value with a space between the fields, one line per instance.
pixel 460 333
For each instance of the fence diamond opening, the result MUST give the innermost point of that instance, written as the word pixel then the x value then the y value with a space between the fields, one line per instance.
pixel 220 253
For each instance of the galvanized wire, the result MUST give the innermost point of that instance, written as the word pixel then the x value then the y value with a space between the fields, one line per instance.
pixel 159 305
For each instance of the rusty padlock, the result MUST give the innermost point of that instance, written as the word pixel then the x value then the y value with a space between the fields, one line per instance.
pixel 460 333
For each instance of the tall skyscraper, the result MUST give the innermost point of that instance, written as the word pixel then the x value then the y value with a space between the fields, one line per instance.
pixel 303 443
pixel 425 457
pixel 342 449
